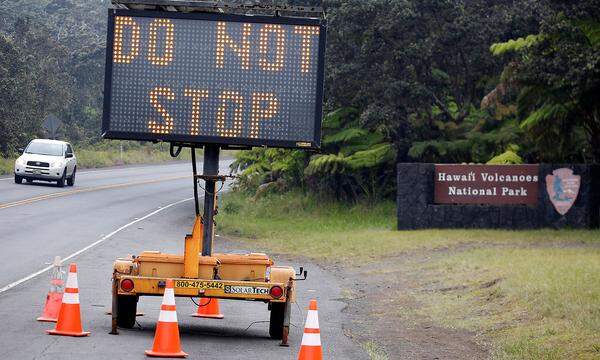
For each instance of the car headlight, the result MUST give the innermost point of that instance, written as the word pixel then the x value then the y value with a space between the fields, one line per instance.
pixel 57 164
pixel 20 161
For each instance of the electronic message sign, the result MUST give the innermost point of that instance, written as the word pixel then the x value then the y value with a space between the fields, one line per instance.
pixel 207 78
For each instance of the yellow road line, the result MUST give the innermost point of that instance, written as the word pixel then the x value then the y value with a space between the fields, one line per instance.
pixel 84 190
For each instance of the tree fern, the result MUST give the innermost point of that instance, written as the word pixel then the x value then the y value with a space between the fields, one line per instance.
pixel 515 45
pixel 338 118
pixel 591 29
pixel 545 114
pixel 345 136
pixel 379 155
pixel 326 164
pixel 509 156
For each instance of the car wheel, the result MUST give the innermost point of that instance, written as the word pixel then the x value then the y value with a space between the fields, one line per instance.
pixel 126 311
pixel 18 179
pixel 71 180
pixel 61 181
pixel 276 321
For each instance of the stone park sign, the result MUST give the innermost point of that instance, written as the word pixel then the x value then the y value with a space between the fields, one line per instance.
pixel 486 184
pixel 498 196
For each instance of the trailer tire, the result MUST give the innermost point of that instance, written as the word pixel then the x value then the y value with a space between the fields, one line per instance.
pixel 276 321
pixel 127 310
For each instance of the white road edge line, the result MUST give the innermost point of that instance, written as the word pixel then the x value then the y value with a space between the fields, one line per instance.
pixel 99 241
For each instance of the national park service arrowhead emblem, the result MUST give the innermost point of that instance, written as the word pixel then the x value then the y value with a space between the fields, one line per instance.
pixel 563 188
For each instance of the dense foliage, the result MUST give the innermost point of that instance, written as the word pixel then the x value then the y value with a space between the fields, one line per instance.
pixel 51 62
pixel 451 81
pixel 554 79
pixel 355 162
pixel 501 81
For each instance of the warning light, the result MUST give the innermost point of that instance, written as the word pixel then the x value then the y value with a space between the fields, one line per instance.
pixel 276 292
pixel 127 285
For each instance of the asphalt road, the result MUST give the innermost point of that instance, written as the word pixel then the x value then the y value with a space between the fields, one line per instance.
pixel 115 212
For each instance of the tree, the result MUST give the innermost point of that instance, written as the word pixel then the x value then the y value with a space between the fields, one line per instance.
pixel 410 66
pixel 32 82
pixel 554 77
pixel 62 44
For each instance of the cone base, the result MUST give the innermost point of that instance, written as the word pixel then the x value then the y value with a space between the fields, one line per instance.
pixel 68 333
pixel 52 307
pixel 208 316
pixel 310 353
pixel 47 319
pixel 180 354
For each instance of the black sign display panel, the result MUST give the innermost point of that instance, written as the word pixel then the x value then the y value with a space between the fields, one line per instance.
pixel 207 78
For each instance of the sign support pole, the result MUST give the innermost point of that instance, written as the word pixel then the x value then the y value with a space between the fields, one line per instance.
pixel 210 173
pixel 194 165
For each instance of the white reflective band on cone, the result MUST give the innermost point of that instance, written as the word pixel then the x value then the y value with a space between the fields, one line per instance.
pixel 70 298
pixel 169 297
pixel 312 320
pixel 167 316
pixel 72 281
pixel 311 339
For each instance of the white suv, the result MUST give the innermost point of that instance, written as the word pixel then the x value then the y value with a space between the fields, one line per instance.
pixel 47 160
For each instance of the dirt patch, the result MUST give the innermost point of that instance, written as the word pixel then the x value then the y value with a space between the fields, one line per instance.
pixel 381 309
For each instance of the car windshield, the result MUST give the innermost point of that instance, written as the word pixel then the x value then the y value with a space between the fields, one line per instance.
pixel 42 148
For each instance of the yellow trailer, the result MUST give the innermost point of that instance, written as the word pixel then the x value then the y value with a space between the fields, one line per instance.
pixel 250 277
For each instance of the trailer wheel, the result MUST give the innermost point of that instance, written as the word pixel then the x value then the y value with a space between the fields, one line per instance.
pixel 276 322
pixel 127 308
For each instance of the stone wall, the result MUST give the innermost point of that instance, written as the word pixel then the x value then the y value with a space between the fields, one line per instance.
pixel 416 209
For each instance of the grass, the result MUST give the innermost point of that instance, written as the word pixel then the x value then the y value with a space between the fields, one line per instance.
pixel 532 294
pixel 539 303
pixel 105 158
pixel 374 351
pixel 6 166
pixel 301 226
pixel 324 230
pixel 108 153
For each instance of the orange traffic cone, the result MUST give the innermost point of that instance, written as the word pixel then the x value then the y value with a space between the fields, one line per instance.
pixel 209 308
pixel 69 316
pixel 166 338
pixel 55 294
pixel 310 349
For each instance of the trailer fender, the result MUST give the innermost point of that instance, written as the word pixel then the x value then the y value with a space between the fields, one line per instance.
pixel 283 274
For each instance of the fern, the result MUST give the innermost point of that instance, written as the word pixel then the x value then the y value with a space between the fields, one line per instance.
pixel 433 150
pixel 254 169
pixel 338 118
pixel 326 164
pixel 345 136
pixel 364 143
pixel 547 112
pixel 591 29
pixel 509 156
pixel 379 155
pixel 440 75
pixel 355 162
pixel 515 45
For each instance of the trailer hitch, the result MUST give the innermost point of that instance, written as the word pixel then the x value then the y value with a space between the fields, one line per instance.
pixel 301 272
